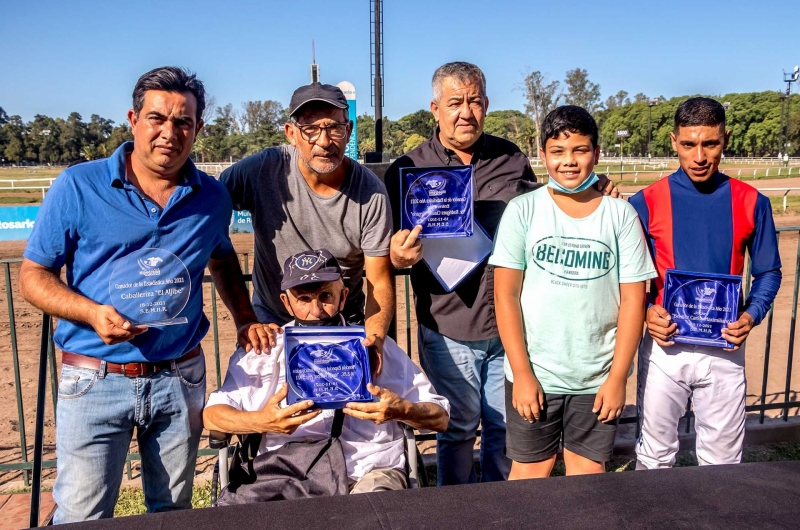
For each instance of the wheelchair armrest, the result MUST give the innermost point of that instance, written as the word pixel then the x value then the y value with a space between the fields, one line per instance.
pixel 218 440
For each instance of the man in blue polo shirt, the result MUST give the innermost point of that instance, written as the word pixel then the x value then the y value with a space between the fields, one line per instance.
pixel 135 233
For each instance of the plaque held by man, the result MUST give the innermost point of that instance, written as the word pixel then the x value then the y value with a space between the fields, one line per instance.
pixel 440 199
pixel 702 304
pixel 150 287
pixel 328 365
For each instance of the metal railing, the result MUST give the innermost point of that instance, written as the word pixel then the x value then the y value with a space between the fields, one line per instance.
pixel 47 365
pixel 786 191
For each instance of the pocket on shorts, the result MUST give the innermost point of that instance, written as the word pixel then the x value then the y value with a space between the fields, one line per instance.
pixel 192 373
pixel 75 382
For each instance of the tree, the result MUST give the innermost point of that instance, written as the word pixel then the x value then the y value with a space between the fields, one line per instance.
pixel 412 142
pixel 258 113
pixel 366 133
pixel 581 91
pixel 514 126
pixel 72 138
pixel 640 98
pixel 13 131
pixel 618 100
pixel 210 109
pixel 542 98
pixel 43 141
pixel 90 152
pixel 3 139
pixel 98 129
pixel 119 135
pixel 421 123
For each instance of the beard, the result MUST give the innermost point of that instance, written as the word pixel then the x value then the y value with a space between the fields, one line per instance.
pixel 320 167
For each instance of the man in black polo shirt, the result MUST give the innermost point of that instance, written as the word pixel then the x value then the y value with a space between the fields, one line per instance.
pixel 459 345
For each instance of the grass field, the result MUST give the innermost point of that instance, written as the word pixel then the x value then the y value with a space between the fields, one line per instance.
pixel 21 173
pixel 792 204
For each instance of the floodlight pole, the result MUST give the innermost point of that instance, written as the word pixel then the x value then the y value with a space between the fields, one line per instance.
pixel 785 104
pixel 378 80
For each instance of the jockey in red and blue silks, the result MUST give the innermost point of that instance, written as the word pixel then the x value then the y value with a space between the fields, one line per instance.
pixel 707 229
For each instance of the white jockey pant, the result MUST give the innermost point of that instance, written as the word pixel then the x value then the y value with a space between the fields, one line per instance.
pixel 713 378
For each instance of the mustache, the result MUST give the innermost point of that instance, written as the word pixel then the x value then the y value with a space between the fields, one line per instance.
pixel 325 152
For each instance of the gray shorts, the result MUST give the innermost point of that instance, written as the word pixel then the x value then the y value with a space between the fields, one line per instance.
pixel 567 419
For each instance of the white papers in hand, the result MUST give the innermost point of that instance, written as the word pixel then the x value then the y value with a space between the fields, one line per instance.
pixel 451 259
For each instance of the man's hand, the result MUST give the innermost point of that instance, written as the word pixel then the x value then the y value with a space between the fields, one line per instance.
pixel 606 187
pixel 610 400
pixel 374 345
pixel 112 327
pixel 390 407
pixel 273 418
pixel 660 325
pixel 259 337
pixel 528 397
pixel 405 249
pixel 737 332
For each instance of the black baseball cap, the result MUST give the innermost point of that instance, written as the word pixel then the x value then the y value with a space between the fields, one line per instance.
pixel 329 94
pixel 310 266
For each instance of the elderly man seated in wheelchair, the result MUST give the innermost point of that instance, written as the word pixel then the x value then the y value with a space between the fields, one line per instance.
pixel 253 400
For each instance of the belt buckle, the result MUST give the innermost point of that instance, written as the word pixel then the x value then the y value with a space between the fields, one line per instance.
pixel 135 370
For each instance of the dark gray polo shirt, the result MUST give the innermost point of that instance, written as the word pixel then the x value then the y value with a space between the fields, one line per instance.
pixel 501 172
pixel 288 217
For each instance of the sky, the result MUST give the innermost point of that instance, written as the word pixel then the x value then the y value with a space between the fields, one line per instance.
pixel 57 57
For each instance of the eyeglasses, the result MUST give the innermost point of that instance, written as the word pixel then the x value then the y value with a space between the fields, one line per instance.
pixel 311 133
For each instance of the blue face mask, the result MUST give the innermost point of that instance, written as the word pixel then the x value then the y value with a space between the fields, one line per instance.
pixel 590 181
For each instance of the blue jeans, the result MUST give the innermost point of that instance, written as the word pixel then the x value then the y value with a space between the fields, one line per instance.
pixel 96 417
pixel 470 375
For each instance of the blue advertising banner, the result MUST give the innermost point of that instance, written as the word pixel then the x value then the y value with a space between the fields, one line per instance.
pixel 241 222
pixel 16 222
pixel 350 94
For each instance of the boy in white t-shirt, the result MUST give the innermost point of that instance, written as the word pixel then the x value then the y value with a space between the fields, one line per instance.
pixel 570 272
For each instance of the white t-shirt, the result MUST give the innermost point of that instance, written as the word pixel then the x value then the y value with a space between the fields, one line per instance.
pixel 252 379
pixel 570 294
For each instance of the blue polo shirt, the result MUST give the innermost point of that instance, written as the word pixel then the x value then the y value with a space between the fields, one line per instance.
pixel 93 216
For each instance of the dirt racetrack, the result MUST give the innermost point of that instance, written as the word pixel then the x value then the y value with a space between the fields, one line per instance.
pixel 28 328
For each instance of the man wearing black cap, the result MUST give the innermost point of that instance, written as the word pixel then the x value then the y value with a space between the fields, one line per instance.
pixel 253 397
pixel 309 195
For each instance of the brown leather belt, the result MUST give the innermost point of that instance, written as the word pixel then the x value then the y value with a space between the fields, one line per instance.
pixel 77 360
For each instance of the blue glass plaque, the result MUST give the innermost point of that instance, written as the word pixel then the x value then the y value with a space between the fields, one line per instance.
pixel 437 198
pixel 328 365
pixel 150 287
pixel 701 304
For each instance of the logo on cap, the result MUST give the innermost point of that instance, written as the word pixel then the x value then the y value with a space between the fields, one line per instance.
pixel 306 261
